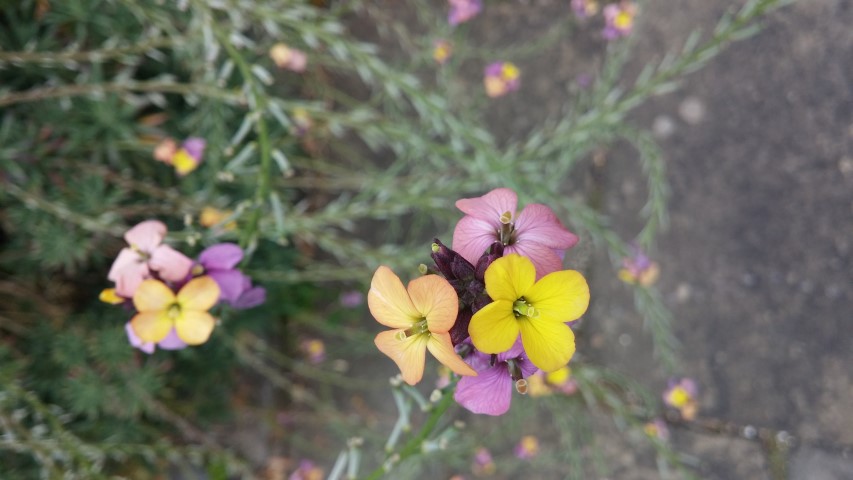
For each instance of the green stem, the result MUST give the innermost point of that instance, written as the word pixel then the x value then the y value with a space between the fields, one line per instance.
pixel 413 446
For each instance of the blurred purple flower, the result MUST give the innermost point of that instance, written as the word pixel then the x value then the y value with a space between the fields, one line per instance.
pixel 527 447
pixel 619 19
pixel 584 8
pixel 463 10
pixel 351 298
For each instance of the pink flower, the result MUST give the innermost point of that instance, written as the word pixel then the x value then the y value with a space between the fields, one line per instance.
pixel 463 10
pixel 535 233
pixel 147 254
pixel 619 19
pixel 501 78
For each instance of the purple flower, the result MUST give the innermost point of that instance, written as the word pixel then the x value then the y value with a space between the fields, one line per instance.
pixel 584 8
pixel 490 392
pixel 619 19
pixel 219 262
pixel 351 298
pixel 463 10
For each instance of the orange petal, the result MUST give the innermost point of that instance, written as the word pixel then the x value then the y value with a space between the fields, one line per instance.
pixel 199 294
pixel 509 277
pixel 194 327
pixel 493 328
pixel 409 353
pixel 153 296
pixel 436 300
pixel 441 348
pixel 151 326
pixel 549 345
pixel 389 301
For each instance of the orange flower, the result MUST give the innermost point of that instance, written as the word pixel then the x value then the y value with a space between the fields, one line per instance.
pixel 160 310
pixel 421 315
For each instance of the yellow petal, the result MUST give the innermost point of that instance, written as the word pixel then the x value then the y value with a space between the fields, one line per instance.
pixel 194 327
pixel 549 345
pixel 153 296
pixel 151 326
pixel 560 296
pixel 510 277
pixel 109 295
pixel 199 294
pixel 389 302
pixel 436 300
pixel 441 348
pixel 409 354
pixel 493 328
pixel 183 162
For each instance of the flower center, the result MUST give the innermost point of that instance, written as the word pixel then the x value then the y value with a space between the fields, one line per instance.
pixel 143 255
pixel 174 311
pixel 418 328
pixel 523 309
pixel 506 234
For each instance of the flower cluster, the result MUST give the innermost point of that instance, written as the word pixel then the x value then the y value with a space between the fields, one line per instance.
pixel 186 158
pixel 501 78
pixel 618 17
pixel 173 294
pixel 682 394
pixel 498 298
pixel 639 269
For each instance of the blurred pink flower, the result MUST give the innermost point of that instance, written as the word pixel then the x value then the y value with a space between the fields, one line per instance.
pixel 288 58
pixel 682 394
pixel 483 463
pixel 147 254
pixel 351 298
pixel 463 10
pixel 584 8
pixel 314 350
pixel 535 233
pixel 657 429
pixel 442 49
pixel 307 470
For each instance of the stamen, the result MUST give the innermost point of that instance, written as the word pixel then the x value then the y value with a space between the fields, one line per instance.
pixel 521 386
pixel 507 229
pixel 493 360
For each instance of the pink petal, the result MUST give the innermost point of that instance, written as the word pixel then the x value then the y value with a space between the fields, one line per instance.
pixel 537 223
pixel 490 206
pixel 472 237
pixel 170 264
pixel 128 272
pixel 490 392
pixel 544 259
pixel 172 342
pixel 146 235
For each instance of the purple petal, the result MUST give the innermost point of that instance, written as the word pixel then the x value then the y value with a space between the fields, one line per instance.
pixel 473 236
pixel 231 284
pixel 136 342
pixel 195 147
pixel 251 298
pixel 490 392
pixel 222 256
pixel 172 342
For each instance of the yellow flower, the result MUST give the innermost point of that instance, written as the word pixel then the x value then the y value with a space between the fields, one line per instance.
pixel 160 310
pixel 421 315
pixel 537 310
pixel 211 216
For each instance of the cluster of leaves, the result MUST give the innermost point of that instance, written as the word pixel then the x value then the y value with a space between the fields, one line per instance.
pixel 88 87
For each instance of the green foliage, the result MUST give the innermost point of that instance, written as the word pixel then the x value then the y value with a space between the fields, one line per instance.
pixel 89 87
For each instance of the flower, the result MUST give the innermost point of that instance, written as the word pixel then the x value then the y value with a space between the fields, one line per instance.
pixel 109 295
pixel 619 19
pixel 307 470
pixel 535 233
pixel 188 157
pixel 160 310
pixel 584 8
pixel 351 298
pixel 657 429
pixel 219 262
pixel 483 463
pixel 442 49
pixel 171 342
pixel 501 78
pixel 314 349
pixel 490 392
pixel 527 447
pixel 165 150
pixel 463 10
pixel 681 394
pixel 302 122
pixel 420 315
pixel 638 269
pixel 212 217
pixel 146 254
pixel 537 310
pixel 288 58
pixel 467 280
pixel 562 381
